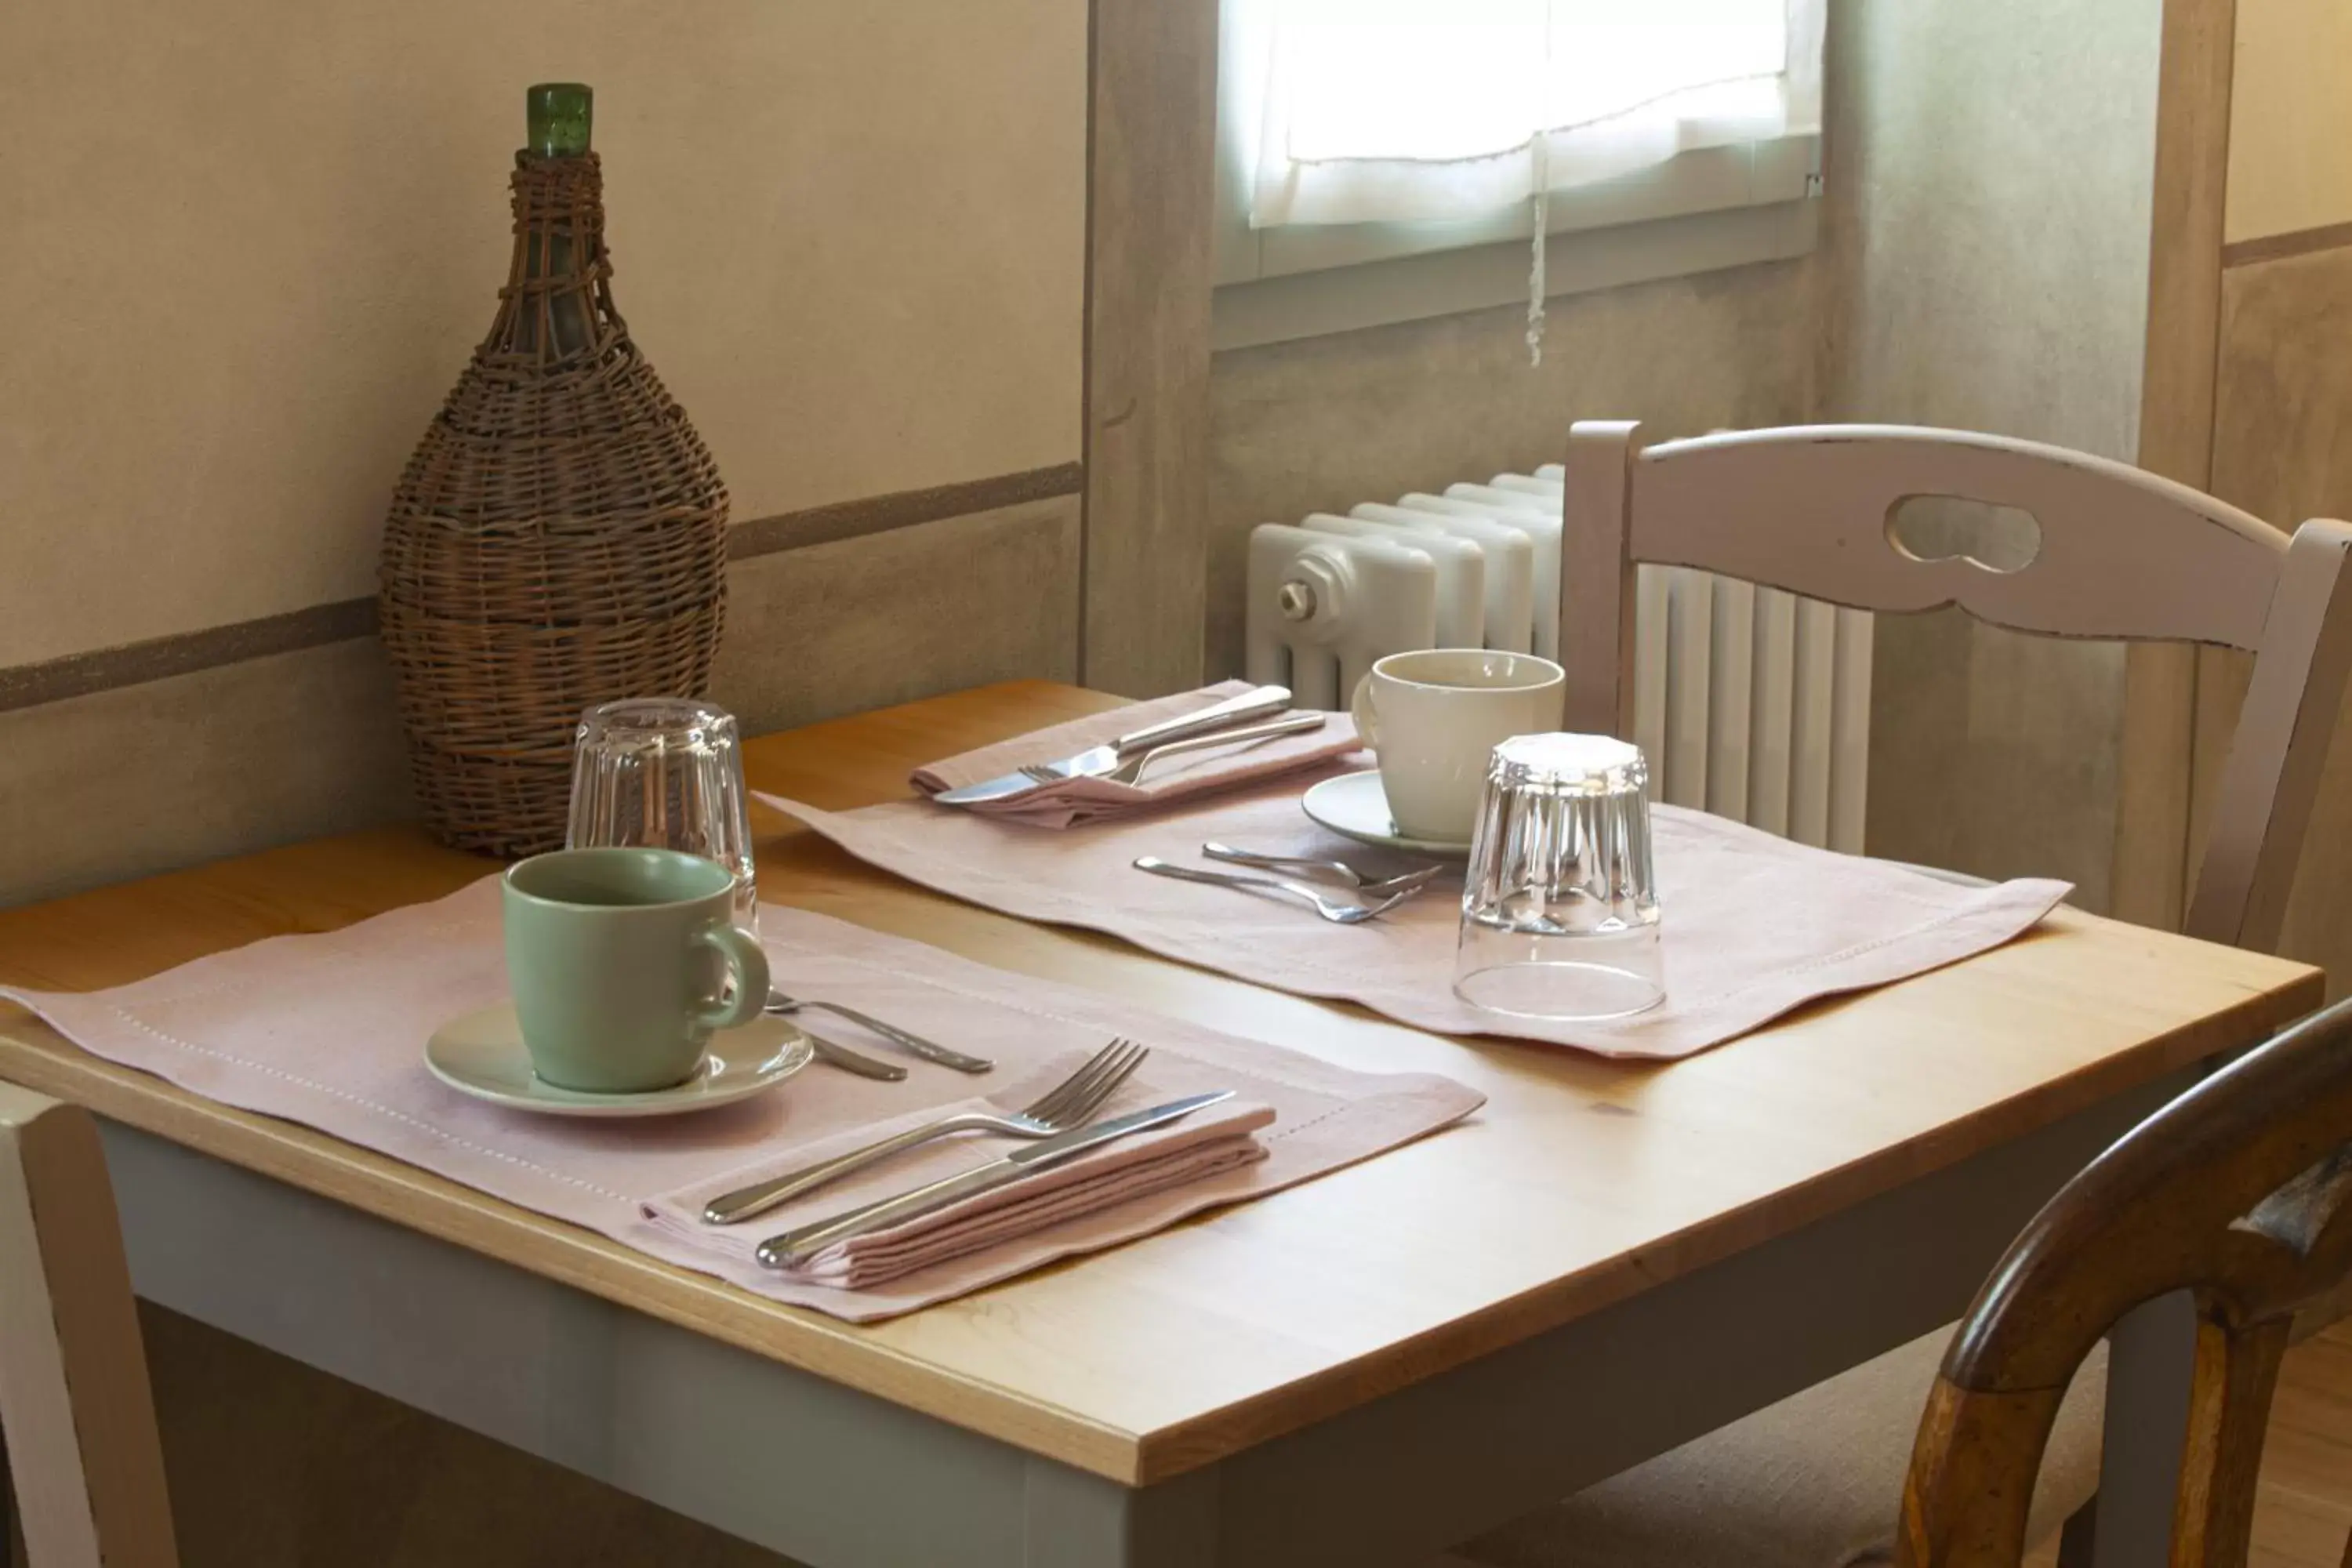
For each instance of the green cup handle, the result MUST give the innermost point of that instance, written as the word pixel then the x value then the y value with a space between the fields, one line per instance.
pixel 746 965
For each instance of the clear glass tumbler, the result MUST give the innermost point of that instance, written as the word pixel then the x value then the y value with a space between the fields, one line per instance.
pixel 665 772
pixel 1559 911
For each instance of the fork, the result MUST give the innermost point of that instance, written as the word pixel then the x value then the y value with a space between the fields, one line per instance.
pixel 1067 1105
pixel 1129 770
pixel 1332 910
pixel 1373 887
pixel 782 1006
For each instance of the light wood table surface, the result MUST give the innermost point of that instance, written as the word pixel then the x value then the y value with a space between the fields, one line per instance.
pixel 1662 1245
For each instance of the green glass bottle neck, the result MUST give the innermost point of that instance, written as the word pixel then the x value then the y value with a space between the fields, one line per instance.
pixel 558 115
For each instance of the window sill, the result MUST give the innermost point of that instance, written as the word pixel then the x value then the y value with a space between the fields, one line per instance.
pixel 1350 296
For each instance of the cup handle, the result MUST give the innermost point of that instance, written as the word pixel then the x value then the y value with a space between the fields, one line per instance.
pixel 747 965
pixel 1361 709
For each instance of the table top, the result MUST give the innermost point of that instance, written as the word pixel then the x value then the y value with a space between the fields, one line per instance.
pixel 1582 1182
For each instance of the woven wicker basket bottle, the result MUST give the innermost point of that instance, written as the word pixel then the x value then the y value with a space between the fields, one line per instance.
pixel 558 538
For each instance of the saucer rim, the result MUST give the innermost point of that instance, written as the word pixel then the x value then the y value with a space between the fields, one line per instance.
pixel 792 1053
pixel 1345 785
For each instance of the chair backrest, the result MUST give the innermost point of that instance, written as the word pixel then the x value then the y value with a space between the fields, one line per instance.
pixel 2123 554
pixel 75 1404
pixel 2237 1192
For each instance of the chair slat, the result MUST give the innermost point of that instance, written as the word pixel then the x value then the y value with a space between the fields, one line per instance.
pixel 75 1403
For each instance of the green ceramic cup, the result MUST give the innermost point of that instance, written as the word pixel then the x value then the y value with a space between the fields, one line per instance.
pixel 620 961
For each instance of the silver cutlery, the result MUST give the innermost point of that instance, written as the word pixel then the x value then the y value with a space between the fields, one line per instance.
pixel 1131 770
pixel 784 1007
pixel 1261 702
pixel 1065 1106
pixel 1336 910
pixel 850 1061
pixel 789 1247
pixel 1339 870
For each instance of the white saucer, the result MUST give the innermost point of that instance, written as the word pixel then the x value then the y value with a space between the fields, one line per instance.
pixel 482 1054
pixel 1355 806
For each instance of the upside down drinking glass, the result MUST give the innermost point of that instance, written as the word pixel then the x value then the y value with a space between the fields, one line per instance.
pixel 1559 911
pixel 665 772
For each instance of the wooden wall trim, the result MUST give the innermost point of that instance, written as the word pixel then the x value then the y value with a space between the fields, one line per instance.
pixel 2176 439
pixel 1150 196
pixel 186 653
pixel 2278 246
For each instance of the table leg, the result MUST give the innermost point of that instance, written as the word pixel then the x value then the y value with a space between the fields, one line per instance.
pixel 2150 1355
pixel 1074 1520
pixel 12 1550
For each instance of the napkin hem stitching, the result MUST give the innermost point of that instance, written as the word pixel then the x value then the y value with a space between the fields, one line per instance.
pixel 348 1097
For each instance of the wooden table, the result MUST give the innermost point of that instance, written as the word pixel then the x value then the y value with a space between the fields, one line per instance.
pixel 1606 1261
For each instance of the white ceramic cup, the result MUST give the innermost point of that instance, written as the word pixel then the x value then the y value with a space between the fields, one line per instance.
pixel 1435 715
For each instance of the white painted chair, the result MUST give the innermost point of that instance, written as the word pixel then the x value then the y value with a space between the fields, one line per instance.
pixel 79 1419
pixel 1816 1480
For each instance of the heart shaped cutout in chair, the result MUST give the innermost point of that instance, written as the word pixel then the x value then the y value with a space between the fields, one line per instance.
pixel 1991 538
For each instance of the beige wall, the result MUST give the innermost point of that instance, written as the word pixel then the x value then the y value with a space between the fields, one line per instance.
pixel 1987 269
pixel 2283 449
pixel 2290 118
pixel 251 242
pixel 121 782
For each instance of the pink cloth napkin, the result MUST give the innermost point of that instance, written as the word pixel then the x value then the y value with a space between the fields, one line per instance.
pixel 328 1030
pixel 1753 926
pixel 1180 777
pixel 1208 1143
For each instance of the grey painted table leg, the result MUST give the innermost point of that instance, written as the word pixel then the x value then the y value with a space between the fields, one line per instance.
pixel 2150 1355
pixel 9 1552
pixel 1078 1521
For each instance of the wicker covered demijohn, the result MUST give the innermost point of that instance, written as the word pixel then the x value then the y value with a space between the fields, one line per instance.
pixel 559 539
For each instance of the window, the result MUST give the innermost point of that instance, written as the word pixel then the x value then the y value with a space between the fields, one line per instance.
pixel 1379 135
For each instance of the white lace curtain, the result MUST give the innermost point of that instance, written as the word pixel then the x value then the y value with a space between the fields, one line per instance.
pixel 1370 110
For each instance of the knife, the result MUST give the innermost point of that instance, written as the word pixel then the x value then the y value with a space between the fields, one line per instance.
pixel 1261 702
pixel 789 1247
pixel 857 1062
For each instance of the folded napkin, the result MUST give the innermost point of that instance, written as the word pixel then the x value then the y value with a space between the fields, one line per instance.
pixel 1210 1142
pixel 1178 777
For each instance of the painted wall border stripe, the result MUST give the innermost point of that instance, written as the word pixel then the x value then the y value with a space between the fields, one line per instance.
pixel 903 509
pixel 2278 246
pixel 186 653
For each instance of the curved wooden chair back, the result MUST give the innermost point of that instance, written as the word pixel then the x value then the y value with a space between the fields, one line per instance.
pixel 2236 1192
pixel 2123 554
pixel 75 1405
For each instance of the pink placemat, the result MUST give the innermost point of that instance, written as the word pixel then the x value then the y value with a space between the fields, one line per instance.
pixel 1754 925
pixel 1181 777
pixel 328 1030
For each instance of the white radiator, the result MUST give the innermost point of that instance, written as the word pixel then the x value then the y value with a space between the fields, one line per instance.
pixel 1750 703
